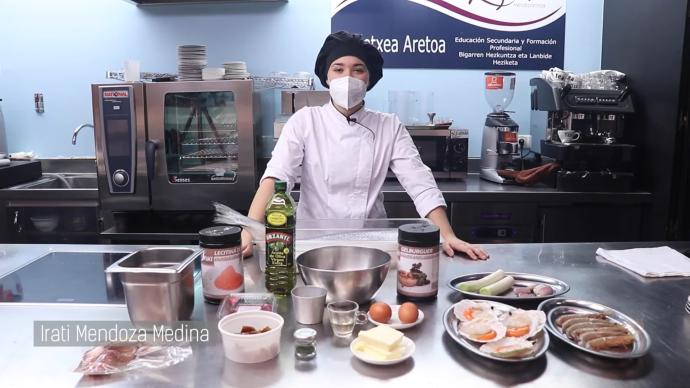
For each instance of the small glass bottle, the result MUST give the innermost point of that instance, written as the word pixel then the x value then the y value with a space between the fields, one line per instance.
pixel 305 343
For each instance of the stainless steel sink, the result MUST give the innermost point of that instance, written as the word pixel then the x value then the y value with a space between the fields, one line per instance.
pixel 62 181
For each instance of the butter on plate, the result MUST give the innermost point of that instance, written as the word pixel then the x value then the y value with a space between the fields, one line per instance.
pixel 380 343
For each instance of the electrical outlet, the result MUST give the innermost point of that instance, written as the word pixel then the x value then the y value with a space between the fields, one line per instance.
pixel 527 139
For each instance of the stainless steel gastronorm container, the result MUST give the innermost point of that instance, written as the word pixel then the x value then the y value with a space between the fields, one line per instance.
pixel 158 283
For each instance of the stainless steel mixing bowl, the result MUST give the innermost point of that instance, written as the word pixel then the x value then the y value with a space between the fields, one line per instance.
pixel 352 273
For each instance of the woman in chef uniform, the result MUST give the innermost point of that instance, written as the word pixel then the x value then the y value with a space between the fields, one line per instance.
pixel 342 151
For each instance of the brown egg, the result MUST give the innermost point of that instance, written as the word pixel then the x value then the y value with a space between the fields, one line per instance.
pixel 408 312
pixel 380 312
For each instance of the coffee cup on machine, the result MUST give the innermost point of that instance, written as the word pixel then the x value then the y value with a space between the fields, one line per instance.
pixel 568 136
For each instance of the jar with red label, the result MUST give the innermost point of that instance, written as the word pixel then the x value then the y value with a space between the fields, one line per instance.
pixel 222 271
pixel 418 252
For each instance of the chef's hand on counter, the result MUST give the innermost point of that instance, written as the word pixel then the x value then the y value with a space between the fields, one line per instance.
pixel 451 243
pixel 247 246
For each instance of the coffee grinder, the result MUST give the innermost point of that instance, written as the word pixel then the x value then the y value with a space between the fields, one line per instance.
pixel 500 137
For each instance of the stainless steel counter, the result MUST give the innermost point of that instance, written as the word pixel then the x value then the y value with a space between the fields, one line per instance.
pixel 657 304
pixel 471 189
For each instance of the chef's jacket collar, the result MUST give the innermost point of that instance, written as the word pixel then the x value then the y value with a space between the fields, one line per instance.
pixel 357 116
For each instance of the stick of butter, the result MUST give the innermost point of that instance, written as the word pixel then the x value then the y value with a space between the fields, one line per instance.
pixel 377 353
pixel 383 338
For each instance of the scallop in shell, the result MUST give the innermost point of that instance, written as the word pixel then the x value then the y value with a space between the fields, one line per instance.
pixel 508 347
pixel 523 324
pixel 467 310
pixel 482 330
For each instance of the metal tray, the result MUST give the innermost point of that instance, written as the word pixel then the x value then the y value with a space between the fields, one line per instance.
pixel 450 323
pixel 521 279
pixel 554 308
pixel 428 126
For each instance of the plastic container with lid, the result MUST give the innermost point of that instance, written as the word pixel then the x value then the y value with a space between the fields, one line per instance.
pixel 222 271
pixel 418 254
pixel 252 301
pixel 251 348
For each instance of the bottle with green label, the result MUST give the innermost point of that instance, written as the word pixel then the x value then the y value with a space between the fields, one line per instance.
pixel 280 241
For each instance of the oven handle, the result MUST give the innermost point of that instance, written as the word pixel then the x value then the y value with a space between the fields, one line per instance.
pixel 151 147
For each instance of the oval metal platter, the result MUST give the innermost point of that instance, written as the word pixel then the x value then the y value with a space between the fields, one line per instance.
pixel 554 308
pixel 450 323
pixel 521 280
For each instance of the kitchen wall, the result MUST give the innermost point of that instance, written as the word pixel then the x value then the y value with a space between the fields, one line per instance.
pixel 60 47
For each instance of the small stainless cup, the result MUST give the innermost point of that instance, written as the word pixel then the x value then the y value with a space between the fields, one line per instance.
pixel 308 303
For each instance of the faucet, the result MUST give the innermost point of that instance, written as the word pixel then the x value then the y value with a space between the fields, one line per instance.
pixel 76 132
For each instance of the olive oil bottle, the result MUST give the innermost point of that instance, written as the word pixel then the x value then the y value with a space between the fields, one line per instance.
pixel 280 241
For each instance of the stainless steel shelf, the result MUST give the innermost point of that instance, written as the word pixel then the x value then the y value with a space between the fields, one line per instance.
pixel 259 82
pixel 144 75
pixel 220 129
pixel 211 154
pixel 226 140
pixel 283 83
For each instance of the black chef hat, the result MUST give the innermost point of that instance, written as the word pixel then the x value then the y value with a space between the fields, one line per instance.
pixel 342 43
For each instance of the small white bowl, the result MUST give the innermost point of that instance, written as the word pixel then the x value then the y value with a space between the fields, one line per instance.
pixel 45 224
pixel 251 348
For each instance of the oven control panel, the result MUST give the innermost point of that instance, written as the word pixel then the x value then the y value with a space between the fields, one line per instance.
pixel 119 136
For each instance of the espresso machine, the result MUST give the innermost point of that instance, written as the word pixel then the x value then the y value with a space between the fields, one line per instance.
pixel 500 136
pixel 581 124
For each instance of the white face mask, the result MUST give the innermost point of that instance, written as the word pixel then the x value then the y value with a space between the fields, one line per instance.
pixel 347 91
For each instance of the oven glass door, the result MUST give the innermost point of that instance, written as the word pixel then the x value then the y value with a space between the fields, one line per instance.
pixel 201 137
pixel 432 150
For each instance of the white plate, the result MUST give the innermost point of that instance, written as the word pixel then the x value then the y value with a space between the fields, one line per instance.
pixel 406 342
pixel 395 321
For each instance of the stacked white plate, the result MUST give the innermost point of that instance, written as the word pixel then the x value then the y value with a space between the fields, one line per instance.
pixel 191 59
pixel 235 70
pixel 212 73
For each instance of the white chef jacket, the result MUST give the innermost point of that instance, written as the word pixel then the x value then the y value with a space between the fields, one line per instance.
pixel 343 164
